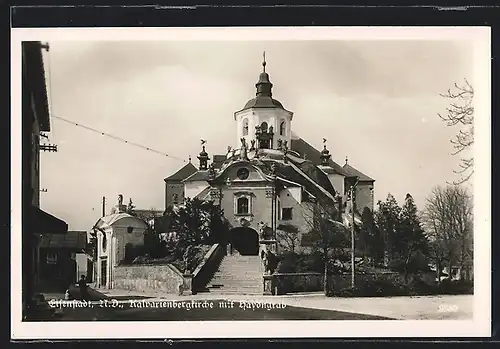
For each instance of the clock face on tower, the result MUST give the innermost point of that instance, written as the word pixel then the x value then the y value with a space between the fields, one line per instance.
pixel 242 173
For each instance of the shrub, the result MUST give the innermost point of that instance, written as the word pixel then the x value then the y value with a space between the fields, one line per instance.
pixel 287 263
pixel 379 285
pixel 448 286
pixel 310 262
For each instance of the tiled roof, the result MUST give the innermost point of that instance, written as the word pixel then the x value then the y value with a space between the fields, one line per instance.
pixel 198 176
pixel 263 102
pixel 303 148
pixel 113 218
pixel 353 172
pixel 317 176
pixel 204 193
pixel 74 240
pixel 287 172
pixel 183 173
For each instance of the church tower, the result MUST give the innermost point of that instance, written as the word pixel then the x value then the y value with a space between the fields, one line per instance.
pixel 263 120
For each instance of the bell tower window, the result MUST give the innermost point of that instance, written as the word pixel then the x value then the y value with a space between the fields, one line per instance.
pixel 264 135
pixel 245 127
pixel 282 128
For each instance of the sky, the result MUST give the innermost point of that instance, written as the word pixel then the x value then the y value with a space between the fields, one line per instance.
pixel 375 101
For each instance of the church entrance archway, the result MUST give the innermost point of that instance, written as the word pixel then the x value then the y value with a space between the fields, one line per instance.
pixel 244 241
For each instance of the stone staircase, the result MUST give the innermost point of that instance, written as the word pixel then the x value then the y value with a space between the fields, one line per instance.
pixel 238 275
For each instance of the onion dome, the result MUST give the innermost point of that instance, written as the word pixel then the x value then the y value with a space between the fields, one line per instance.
pixel 263 97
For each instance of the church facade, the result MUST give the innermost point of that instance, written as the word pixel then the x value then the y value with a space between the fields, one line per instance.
pixel 270 177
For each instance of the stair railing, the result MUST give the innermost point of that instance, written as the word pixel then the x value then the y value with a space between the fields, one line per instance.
pixel 205 275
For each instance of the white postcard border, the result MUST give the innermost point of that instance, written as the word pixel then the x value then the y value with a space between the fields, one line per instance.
pixel 480 326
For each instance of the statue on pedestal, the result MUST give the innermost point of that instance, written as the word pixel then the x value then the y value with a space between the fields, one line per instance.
pixel 270 262
pixel 262 227
pixel 243 151
pixel 273 169
pixel 280 144
pixel 211 171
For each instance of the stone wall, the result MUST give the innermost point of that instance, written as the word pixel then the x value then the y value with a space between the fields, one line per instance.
pixel 313 282
pixel 173 188
pixel 207 267
pixel 148 278
pixel 299 282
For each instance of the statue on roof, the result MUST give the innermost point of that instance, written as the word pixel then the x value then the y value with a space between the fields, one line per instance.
pixel 211 171
pixel 120 200
pixel 243 151
pixel 280 144
pixel 130 207
pixel 273 168
pixel 252 146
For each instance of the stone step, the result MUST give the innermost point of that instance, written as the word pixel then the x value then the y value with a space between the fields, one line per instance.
pixel 239 292
pixel 219 286
pixel 238 275
pixel 241 272
pixel 239 289
pixel 241 265
pixel 237 279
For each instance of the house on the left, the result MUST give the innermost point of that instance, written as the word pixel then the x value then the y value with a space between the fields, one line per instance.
pixel 35 122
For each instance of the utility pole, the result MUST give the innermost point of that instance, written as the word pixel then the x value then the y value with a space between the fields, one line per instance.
pixel 103 206
pixel 48 147
pixel 353 272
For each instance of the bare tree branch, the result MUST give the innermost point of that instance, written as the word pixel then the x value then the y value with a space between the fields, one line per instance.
pixel 448 218
pixel 461 113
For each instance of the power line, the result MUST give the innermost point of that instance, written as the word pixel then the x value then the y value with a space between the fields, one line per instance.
pixel 118 138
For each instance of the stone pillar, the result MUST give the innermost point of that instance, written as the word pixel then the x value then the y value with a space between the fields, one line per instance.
pixel 187 285
pixel 267 245
pixel 269 285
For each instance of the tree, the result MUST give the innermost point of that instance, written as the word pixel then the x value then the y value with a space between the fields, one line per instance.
pixel 411 242
pixel 461 113
pixel 288 238
pixel 196 222
pixel 327 235
pixel 374 241
pixel 387 219
pixel 448 216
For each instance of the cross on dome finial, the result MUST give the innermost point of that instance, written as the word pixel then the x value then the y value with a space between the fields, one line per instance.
pixel 264 61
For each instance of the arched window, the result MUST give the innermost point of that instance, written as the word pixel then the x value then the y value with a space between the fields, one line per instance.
pixel 283 128
pixel 242 205
pixel 104 242
pixel 263 127
pixel 245 127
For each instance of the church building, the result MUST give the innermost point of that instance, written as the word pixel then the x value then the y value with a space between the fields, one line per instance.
pixel 270 177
